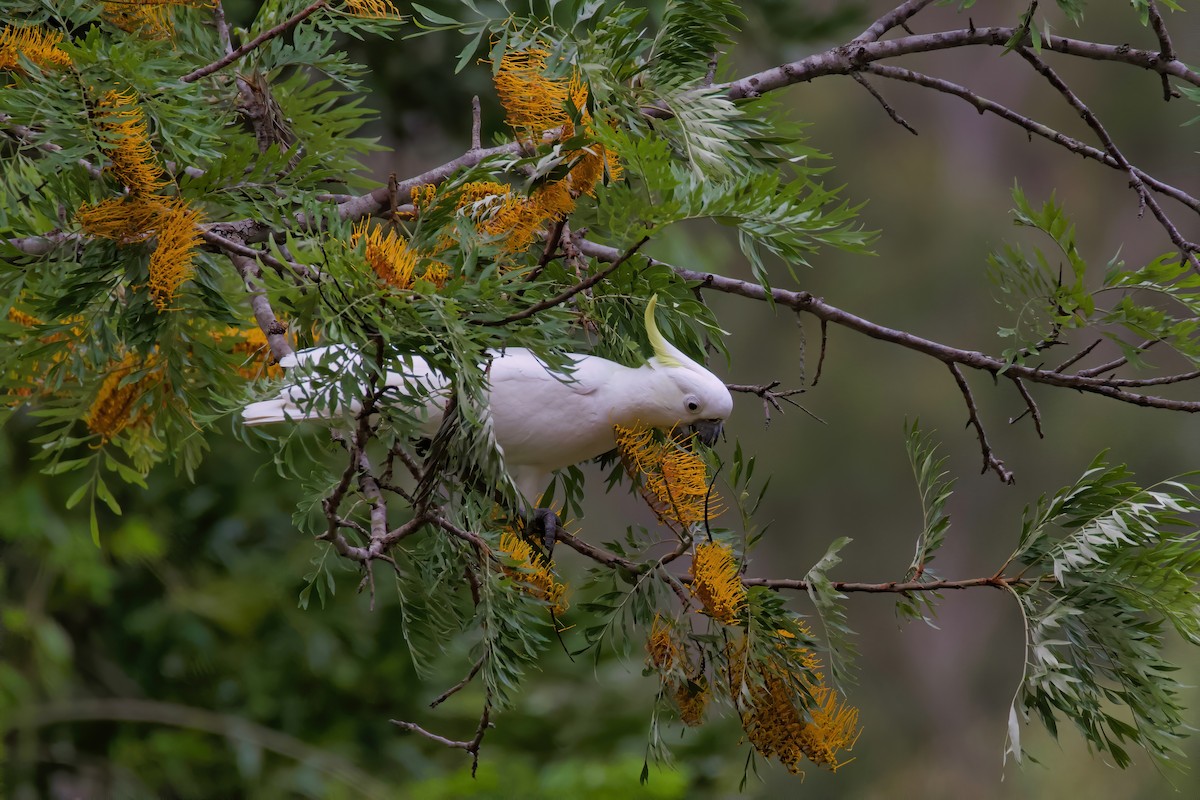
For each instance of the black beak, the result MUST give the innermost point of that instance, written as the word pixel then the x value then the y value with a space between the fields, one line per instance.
pixel 708 430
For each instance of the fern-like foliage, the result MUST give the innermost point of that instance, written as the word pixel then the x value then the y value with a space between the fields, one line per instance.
pixel 1054 292
pixel 935 488
pixel 1109 568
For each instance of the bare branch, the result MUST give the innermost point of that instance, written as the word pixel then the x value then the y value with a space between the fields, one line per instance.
pixel 444 696
pixel 1164 41
pixel 1082 354
pixel 809 303
pixel 1031 406
pixel 990 461
pixel 770 397
pixel 892 587
pixel 891 112
pixel 845 59
pixel 982 104
pixel 896 17
pixel 263 314
pixel 1187 249
pixel 476 123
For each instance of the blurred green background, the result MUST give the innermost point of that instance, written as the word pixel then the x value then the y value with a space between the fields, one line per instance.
pixel 175 662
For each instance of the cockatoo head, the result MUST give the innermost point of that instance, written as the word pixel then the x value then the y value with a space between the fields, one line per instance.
pixel 690 395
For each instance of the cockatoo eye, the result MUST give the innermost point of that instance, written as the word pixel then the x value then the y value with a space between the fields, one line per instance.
pixel 693 405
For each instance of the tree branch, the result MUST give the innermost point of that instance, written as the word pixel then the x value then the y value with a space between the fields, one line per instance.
pixel 990 461
pixel 567 294
pixel 982 104
pixel 265 36
pixel 845 59
pixel 263 314
pixel 809 303
pixel 896 17
pixel 1186 249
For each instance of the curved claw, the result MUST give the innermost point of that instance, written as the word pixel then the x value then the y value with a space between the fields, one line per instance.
pixel 542 527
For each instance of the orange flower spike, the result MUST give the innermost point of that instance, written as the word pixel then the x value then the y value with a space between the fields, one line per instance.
pixel 692 699
pixel 110 412
pixel 251 344
pixel 373 9
pixel 22 318
pixel 389 256
pixel 716 583
pixel 534 577
pixel 125 220
pixel 661 646
pixel 532 102
pixel 39 46
pixel 171 261
pixel 123 128
pixel 150 18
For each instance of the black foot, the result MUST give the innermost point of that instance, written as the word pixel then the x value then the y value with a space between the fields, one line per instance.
pixel 542 528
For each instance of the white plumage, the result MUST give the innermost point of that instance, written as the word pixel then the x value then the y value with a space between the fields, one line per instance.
pixel 542 421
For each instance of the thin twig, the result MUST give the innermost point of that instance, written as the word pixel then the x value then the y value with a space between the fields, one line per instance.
pixel 1031 406
pixel 567 294
pixel 1082 354
pixel 1164 41
pixel 811 304
pixel 891 112
pixel 770 397
pixel 898 16
pixel 444 696
pixel 1186 249
pixel 821 357
pixel 983 104
pixel 266 35
pixel 990 461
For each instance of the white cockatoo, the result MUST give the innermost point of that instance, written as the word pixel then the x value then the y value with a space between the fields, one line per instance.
pixel 542 420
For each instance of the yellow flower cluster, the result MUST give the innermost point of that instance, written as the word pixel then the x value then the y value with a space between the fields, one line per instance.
pixel 22 318
pixel 791 716
pixel 251 344
pixel 716 582
pixel 142 214
pixel 372 9
pixel 661 646
pixel 665 652
pixel 122 130
pixel 676 479
pixel 393 260
pixel 111 411
pixel 171 261
pixel 534 104
pixel 35 371
pixel 691 698
pixel 39 46
pixel 149 18
pixel 532 574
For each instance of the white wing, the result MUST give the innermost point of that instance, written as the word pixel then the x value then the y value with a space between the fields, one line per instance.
pixel 315 371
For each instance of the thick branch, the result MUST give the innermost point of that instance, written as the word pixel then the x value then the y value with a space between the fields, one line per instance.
pixel 809 303
pixel 897 16
pixel 848 58
pixel 263 314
